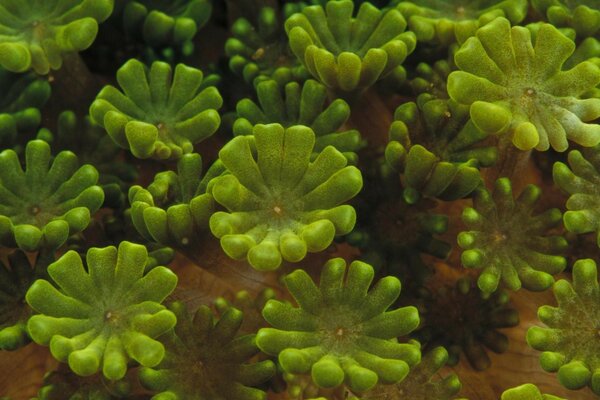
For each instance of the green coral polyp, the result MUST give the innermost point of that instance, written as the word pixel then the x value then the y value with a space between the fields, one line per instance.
pixel 105 315
pixel 527 392
pixel 22 97
pixel 342 331
pixel 437 149
pixel 508 242
pixel 570 344
pixel 36 34
pixel 261 51
pixel 518 88
pixel 49 201
pixel 280 204
pixel 445 22
pixel 166 21
pixel 160 113
pixel 205 360
pixel 349 53
pixel 174 209
pixel 583 16
pixel 294 104
pixel 581 179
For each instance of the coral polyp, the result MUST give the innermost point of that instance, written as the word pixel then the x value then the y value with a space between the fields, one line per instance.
pixel 299 199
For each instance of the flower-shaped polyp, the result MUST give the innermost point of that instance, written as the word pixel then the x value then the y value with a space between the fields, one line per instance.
pixel 261 51
pixel 20 102
pixel 422 382
pixel 345 52
pixel 437 148
pixel 519 89
pixel 581 179
pixel 45 204
pixel 582 15
pixel 571 344
pixel 175 208
pixel 444 22
pixel 166 21
pixel 36 34
pixel 105 315
pixel 15 278
pixel 280 204
pixel 206 361
pixel 159 114
pixel 302 105
pixel 509 242
pixel 342 331
pixel 527 391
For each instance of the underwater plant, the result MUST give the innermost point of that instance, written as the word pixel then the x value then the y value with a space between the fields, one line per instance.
pixel 299 199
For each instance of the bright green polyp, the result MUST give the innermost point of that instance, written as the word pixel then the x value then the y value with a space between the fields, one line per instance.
pixel 437 150
pixel 508 242
pixel 175 208
pixel 341 332
pixel 36 34
pixel 207 359
pixel 280 205
pixel 49 201
pixel 349 53
pixel 166 22
pixel 518 88
pixel 159 113
pixel 570 343
pixel 445 22
pixel 105 316
pixel 295 104
pixel 583 17
pixel 527 391
pixel 581 180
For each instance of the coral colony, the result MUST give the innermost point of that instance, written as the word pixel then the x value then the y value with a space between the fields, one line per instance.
pixel 298 200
